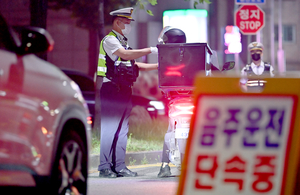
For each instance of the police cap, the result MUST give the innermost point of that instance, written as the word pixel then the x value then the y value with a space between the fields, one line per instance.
pixel 255 46
pixel 124 12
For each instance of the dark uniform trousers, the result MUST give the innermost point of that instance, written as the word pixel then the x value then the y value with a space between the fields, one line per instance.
pixel 115 111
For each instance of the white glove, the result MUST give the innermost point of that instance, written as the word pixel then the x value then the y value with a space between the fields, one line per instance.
pixel 154 50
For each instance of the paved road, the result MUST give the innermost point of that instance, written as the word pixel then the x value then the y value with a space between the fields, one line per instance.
pixel 146 183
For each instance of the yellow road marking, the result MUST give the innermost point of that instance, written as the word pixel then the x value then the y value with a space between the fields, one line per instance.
pixel 137 166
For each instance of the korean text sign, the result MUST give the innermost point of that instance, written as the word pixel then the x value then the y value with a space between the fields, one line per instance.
pixel 239 144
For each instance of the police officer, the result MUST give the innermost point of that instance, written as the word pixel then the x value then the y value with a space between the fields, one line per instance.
pixel 119 70
pixel 257 66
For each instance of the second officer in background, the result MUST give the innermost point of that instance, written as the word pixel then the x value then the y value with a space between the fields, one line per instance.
pixel 257 65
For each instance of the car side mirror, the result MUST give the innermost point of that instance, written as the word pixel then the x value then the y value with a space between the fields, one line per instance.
pixel 34 40
pixel 228 65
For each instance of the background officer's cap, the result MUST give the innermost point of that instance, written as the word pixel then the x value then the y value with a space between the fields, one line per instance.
pixel 124 12
pixel 255 46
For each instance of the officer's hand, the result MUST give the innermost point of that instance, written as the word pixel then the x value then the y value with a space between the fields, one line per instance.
pixel 154 50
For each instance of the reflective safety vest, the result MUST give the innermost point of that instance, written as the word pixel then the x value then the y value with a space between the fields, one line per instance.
pixel 249 71
pixel 102 66
pixel 257 82
pixel 118 71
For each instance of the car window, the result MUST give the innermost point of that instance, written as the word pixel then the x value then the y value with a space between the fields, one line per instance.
pixel 84 83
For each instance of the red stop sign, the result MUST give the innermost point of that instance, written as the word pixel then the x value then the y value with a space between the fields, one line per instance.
pixel 249 19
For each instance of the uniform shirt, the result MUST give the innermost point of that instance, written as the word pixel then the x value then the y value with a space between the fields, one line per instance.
pixel 258 70
pixel 111 44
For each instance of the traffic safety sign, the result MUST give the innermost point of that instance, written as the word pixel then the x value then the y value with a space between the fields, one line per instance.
pixel 249 19
pixel 242 142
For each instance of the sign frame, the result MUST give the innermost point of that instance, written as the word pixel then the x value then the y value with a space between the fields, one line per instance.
pixel 250 2
pixel 292 148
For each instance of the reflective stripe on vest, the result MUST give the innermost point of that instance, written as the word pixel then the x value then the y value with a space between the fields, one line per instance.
pixel 117 63
pixel 101 69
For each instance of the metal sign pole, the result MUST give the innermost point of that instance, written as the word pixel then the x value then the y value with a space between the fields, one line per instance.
pixel 258 36
pixel 280 52
pixel 237 66
pixel 272 47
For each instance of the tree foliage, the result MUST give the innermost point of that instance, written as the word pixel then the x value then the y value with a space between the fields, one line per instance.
pixel 143 3
pixel 89 15
pixel 200 1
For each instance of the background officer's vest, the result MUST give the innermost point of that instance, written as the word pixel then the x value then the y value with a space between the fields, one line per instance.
pixel 119 71
pixel 256 82
pixel 249 71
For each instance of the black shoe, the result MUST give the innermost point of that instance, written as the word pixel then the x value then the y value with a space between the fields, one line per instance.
pixel 164 171
pixel 107 173
pixel 126 173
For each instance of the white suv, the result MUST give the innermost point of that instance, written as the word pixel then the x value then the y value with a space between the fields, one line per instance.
pixel 44 132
